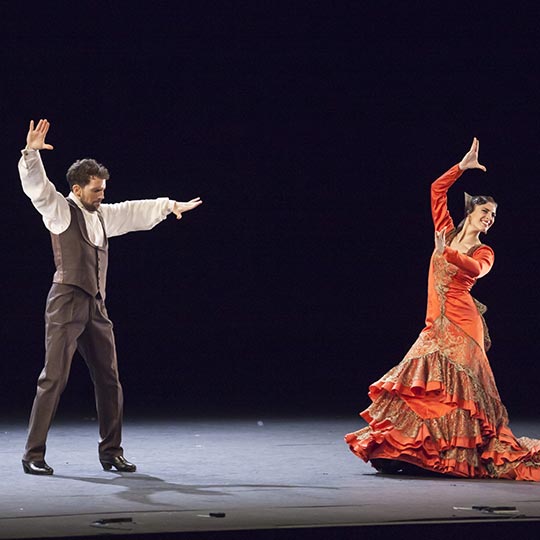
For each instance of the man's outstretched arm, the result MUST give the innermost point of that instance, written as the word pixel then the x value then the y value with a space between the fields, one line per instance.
pixel 142 215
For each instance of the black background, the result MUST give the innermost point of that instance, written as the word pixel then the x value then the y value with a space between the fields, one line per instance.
pixel 312 135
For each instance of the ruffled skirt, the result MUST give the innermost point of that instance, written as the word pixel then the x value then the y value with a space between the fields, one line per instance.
pixel 440 410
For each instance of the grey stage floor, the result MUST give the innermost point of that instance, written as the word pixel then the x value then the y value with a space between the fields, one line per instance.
pixel 234 474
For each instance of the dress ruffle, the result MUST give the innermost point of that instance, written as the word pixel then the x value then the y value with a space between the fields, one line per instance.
pixel 439 409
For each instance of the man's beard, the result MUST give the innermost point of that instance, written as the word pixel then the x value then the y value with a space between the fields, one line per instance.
pixel 89 207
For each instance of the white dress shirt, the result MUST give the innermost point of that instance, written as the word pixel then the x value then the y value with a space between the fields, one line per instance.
pixel 118 218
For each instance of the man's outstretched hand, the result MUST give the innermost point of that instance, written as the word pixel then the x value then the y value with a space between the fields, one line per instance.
pixel 36 136
pixel 180 207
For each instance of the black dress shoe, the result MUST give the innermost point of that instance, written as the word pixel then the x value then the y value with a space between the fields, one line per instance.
pixel 36 467
pixel 119 462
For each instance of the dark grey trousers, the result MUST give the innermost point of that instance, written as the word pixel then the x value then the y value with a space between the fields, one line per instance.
pixel 75 320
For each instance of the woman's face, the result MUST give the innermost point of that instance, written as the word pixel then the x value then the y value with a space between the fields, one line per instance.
pixel 483 216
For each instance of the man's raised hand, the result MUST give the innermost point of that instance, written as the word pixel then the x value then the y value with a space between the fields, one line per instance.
pixel 36 136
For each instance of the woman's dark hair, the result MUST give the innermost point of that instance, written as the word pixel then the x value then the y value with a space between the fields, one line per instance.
pixel 83 170
pixel 471 202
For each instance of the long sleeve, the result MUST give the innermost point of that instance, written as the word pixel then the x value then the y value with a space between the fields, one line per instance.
pixel 439 207
pixel 48 202
pixel 129 216
pixel 477 266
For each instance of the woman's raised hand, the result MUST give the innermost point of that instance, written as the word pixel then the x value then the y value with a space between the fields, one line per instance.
pixel 470 159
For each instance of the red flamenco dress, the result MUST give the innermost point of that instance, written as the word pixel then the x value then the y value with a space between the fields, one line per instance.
pixel 439 409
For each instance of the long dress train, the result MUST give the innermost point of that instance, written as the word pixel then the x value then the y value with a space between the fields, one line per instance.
pixel 439 408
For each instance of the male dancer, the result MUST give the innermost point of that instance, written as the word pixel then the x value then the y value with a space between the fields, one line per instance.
pixel 75 313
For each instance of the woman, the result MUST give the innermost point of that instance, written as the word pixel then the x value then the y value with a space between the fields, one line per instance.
pixel 440 409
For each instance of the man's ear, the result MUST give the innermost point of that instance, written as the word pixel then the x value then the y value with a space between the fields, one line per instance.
pixel 76 189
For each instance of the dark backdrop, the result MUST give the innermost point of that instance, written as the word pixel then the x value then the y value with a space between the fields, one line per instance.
pixel 312 136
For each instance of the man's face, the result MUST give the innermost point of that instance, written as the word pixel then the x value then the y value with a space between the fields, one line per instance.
pixel 92 194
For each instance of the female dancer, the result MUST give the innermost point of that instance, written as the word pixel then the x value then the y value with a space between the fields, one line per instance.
pixel 439 409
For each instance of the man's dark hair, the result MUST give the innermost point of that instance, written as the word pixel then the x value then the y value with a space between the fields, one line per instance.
pixel 83 170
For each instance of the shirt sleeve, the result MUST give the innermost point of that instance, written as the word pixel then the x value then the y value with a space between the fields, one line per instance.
pixel 48 202
pixel 129 216
pixel 477 265
pixel 439 207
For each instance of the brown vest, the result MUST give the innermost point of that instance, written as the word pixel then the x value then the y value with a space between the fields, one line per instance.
pixel 78 261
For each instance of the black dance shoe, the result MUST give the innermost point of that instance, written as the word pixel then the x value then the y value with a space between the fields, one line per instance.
pixel 393 466
pixel 120 463
pixel 36 467
pixel 388 466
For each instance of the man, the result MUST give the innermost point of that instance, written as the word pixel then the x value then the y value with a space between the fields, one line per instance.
pixel 75 314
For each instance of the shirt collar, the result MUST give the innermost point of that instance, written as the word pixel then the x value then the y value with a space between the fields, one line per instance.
pixel 78 202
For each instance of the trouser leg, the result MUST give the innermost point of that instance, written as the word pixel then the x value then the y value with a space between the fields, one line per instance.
pixel 64 322
pixel 97 346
